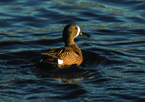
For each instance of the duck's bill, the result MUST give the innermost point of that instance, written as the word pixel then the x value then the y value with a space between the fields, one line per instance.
pixel 85 34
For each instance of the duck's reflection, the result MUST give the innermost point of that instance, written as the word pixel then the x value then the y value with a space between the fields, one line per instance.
pixel 68 80
pixel 69 75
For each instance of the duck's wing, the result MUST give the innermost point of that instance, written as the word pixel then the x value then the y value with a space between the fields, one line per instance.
pixel 53 52
pixel 51 56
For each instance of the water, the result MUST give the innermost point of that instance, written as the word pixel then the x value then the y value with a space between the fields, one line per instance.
pixel 114 55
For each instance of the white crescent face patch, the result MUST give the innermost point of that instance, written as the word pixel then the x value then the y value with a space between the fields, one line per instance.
pixel 78 31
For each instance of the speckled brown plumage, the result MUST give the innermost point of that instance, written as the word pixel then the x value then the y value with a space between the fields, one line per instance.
pixel 70 55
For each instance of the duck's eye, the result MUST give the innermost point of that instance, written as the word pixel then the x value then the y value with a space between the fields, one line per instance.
pixel 76 28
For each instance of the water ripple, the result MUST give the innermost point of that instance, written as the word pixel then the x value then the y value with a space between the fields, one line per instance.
pixel 114 56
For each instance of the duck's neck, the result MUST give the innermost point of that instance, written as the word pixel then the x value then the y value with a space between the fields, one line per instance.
pixel 70 42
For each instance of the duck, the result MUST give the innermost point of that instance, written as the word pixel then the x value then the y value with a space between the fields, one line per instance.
pixel 70 54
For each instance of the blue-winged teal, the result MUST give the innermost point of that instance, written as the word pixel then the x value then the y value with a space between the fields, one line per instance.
pixel 69 54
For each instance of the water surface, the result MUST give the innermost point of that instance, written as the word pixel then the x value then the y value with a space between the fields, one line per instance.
pixel 114 55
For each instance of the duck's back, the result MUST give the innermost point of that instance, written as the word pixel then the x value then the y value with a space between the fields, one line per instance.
pixel 71 56
pixel 68 55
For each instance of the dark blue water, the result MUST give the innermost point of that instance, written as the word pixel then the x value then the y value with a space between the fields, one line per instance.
pixel 114 55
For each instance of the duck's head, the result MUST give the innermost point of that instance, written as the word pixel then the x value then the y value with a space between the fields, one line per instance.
pixel 70 32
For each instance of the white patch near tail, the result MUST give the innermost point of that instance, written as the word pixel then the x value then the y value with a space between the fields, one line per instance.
pixel 60 62
pixel 78 31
